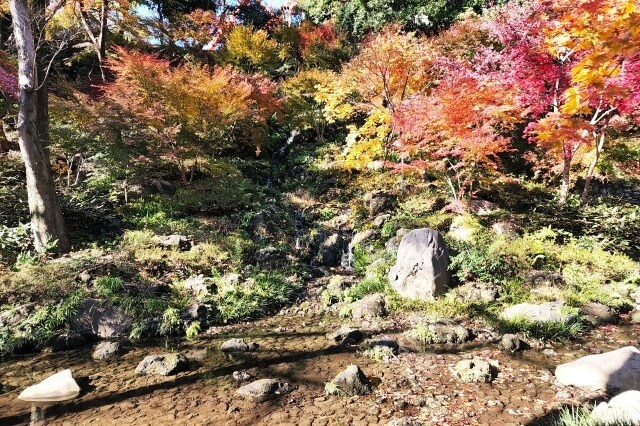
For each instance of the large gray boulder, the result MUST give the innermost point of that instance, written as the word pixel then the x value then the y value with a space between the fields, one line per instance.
pixel 94 319
pixel 421 270
pixel 615 371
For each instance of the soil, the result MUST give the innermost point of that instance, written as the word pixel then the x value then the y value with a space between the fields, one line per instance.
pixel 417 384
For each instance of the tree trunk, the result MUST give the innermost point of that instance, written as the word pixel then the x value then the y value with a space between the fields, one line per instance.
pixel 566 180
pixel 592 167
pixel 47 223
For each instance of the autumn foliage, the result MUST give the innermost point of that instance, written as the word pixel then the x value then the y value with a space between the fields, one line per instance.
pixel 185 111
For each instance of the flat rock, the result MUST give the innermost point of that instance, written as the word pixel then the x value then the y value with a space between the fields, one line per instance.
pixel 542 313
pixel 58 387
pixel 263 389
pixel 622 409
pixel 163 365
pixel 615 371
pixel 174 241
pixel 350 382
pixel 477 292
pixel 237 346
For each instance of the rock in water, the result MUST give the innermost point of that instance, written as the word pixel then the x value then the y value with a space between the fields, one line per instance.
pixel 622 409
pixel 263 389
pixel 237 345
pixel 350 382
pixel 59 387
pixel 163 365
pixel 615 371
pixel 421 270
pixel 473 371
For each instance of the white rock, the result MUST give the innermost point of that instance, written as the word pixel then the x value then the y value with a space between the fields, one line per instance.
pixel 59 387
pixel 622 408
pixel 615 371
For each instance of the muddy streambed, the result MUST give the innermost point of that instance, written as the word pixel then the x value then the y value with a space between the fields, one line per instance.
pixel 416 384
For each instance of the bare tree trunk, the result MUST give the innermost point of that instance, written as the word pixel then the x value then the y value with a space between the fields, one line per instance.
pixel 47 222
pixel 566 180
pixel 592 167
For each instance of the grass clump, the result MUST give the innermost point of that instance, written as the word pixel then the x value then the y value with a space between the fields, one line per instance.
pixel 545 330
pixel 580 416
pixel 261 294
pixel 379 353
pixel 39 325
pixel 365 287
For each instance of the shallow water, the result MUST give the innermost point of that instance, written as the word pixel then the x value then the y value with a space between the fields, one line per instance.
pixel 294 348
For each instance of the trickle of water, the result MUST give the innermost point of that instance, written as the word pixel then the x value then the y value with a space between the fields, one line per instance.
pixel 347 257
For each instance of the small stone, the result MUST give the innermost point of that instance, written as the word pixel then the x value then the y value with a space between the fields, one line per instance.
pixel 241 376
pixel 238 345
pixel 84 277
pixel 350 382
pixel 264 389
pixel 107 350
pixel 511 343
pixel 385 342
pixel 163 365
pixel 474 371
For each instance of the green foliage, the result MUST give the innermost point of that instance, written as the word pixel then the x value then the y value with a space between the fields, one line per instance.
pixel 193 330
pixel 480 260
pixel 365 287
pixel 224 190
pixel 357 18
pixel 547 330
pixel 260 295
pixel 40 324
